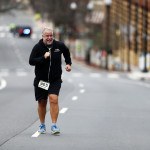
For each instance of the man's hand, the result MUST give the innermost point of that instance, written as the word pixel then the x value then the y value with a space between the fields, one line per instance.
pixel 68 68
pixel 47 54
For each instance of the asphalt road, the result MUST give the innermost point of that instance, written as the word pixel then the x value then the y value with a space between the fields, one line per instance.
pixel 98 110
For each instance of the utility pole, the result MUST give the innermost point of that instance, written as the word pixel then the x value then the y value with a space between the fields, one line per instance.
pixel 145 26
pixel 107 33
pixel 129 34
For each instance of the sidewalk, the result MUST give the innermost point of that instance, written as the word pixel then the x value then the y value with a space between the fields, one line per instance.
pixel 138 75
pixel 135 74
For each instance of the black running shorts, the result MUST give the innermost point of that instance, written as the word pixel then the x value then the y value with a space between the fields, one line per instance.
pixel 41 94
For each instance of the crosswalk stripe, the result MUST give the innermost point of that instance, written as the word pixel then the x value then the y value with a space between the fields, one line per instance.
pixel 78 74
pixel 2 35
pixel 113 76
pixel 18 72
pixel 4 72
pixel 4 28
pixel 22 72
pixel 34 36
pixel 10 35
pixel 95 75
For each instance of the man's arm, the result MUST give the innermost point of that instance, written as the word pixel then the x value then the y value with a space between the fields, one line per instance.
pixel 34 60
pixel 66 54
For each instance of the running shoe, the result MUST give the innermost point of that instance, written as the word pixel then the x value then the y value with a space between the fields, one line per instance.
pixel 42 129
pixel 55 129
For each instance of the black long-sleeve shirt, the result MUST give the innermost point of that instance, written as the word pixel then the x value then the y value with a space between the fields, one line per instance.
pixel 50 68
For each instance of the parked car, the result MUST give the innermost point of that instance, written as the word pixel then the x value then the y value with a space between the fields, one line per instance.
pixel 22 31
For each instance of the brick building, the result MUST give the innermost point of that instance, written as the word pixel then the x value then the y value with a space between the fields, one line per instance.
pixel 130 28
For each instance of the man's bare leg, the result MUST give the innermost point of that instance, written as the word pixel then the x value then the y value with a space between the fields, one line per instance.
pixel 42 110
pixel 54 108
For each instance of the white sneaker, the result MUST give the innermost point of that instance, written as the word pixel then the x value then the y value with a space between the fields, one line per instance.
pixel 55 129
pixel 42 129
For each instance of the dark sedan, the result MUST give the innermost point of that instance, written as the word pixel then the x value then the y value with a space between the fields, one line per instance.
pixel 22 31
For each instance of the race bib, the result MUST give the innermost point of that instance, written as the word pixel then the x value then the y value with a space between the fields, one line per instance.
pixel 44 85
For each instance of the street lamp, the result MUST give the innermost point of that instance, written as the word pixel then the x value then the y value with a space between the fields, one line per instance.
pixel 90 6
pixel 107 33
pixel 129 34
pixel 73 6
pixel 108 2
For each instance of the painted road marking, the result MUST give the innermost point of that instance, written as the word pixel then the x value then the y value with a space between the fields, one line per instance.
pixel 2 84
pixel 95 75
pixel 4 72
pixel 2 35
pixel 77 74
pixel 70 80
pixel 113 76
pixel 4 28
pixel 63 110
pixel 34 36
pixel 36 134
pixel 21 73
pixel 82 90
pixel 74 98
pixel 81 85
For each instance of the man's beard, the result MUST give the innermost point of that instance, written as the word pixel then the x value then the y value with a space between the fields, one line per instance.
pixel 49 42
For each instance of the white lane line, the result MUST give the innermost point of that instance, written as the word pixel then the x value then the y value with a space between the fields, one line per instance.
pixel 82 90
pixel 113 76
pixel 70 80
pixel 9 35
pixel 2 84
pixel 21 74
pixel 2 35
pixel 36 134
pixel 1 28
pixel 147 85
pixel 138 75
pixel 4 74
pixel 63 110
pixel 95 75
pixel 34 36
pixel 74 98
pixel 81 85
pixel 78 74
pixel 4 28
